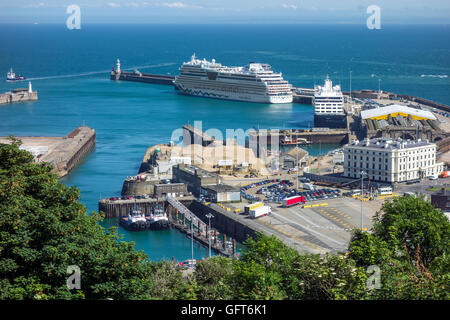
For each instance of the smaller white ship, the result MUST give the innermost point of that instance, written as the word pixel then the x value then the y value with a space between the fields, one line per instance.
pixel 329 106
pixel 11 76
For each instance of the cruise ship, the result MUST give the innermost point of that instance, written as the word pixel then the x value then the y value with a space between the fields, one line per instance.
pixel 329 106
pixel 253 83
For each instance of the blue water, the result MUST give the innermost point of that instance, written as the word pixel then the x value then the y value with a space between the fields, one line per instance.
pixel 71 68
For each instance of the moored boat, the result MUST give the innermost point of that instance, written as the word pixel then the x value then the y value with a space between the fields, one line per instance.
pixel 158 219
pixel 135 220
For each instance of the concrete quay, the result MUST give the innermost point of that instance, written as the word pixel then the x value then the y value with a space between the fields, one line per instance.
pixel 64 153
pixel 18 95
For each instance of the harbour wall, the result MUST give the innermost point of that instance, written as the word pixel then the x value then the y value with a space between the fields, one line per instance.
pixel 142 77
pixel 118 208
pixel 86 144
pixel 63 153
pixel 20 96
pixel 225 222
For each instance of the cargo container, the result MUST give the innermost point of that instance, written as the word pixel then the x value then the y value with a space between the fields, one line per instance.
pixel 252 206
pixel 288 202
pixel 260 211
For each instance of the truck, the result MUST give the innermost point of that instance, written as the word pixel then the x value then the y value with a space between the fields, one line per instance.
pixel 444 174
pixel 288 202
pixel 260 211
pixel 252 206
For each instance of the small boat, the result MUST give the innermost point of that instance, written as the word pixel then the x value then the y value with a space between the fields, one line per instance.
pixel 289 141
pixel 135 220
pixel 11 76
pixel 158 219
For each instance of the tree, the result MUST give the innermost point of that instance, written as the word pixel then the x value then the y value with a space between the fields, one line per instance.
pixel 271 270
pixel 409 243
pixel 44 229
pixel 213 277
pixel 413 222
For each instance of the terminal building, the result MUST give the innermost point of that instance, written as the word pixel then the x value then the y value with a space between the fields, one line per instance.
pixel 222 193
pixel 194 177
pixel 399 121
pixel 390 161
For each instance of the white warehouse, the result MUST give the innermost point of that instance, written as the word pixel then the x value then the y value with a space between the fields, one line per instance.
pixel 388 160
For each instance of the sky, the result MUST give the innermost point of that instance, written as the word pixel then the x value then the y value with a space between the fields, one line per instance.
pixel 227 11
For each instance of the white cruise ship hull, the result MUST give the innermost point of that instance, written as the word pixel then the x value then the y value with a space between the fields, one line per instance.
pixel 219 94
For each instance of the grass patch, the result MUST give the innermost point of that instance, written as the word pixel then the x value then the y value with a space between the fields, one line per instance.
pixel 437 188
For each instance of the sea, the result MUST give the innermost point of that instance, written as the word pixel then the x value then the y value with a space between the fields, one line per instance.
pixel 70 70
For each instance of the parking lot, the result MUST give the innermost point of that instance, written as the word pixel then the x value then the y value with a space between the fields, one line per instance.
pixel 322 224
pixel 276 190
pixel 320 227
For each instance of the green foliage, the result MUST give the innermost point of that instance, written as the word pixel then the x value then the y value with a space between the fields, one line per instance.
pixel 410 245
pixel 213 277
pixel 169 283
pixel 366 249
pixel 271 270
pixel 330 277
pixel 44 229
pixel 413 222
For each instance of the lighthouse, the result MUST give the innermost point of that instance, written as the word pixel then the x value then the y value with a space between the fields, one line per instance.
pixel 30 89
pixel 118 66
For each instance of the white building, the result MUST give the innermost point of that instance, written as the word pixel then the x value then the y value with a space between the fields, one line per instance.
pixel 388 160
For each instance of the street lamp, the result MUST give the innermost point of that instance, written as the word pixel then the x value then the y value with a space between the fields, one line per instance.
pixel 209 216
pixel 192 237
pixel 350 85
pixel 362 198
pixel 296 147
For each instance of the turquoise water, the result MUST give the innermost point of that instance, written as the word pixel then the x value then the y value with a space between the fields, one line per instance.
pixel 71 73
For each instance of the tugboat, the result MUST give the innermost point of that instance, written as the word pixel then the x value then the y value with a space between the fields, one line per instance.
pixel 158 219
pixel 11 76
pixel 135 221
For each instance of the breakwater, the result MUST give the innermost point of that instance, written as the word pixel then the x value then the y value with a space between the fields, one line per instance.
pixel 18 95
pixel 142 77
pixel 64 153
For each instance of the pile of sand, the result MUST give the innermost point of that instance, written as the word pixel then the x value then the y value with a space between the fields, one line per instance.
pixel 207 157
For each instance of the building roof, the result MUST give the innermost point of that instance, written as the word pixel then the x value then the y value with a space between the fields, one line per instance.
pixel 389 144
pixel 196 171
pixel 394 110
pixel 222 188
